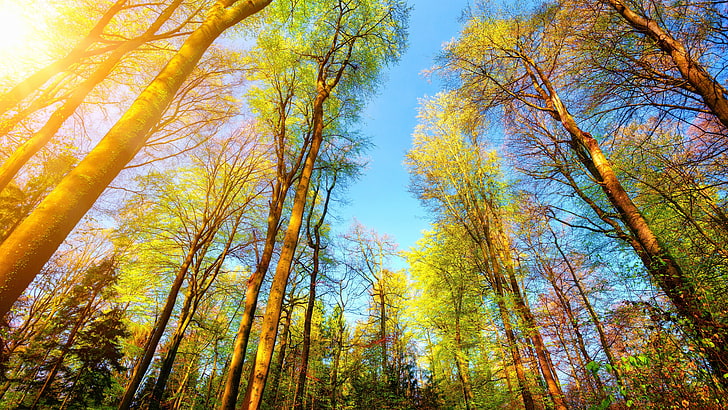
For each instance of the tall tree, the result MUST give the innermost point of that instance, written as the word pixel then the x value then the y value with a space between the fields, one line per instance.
pixel 515 65
pixel 30 245
pixel 280 104
pixel 349 38
pixel 449 301
pixel 222 188
pixel 335 169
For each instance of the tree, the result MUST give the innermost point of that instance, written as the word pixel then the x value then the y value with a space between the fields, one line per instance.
pixel 222 187
pixel 73 354
pixel 461 182
pixel 34 241
pixel 511 67
pixel 327 181
pixel 281 105
pixel 449 303
pixel 355 39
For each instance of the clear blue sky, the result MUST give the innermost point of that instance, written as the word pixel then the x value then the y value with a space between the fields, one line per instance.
pixel 380 199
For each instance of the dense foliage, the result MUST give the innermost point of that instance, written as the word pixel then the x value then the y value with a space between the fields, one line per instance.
pixel 170 179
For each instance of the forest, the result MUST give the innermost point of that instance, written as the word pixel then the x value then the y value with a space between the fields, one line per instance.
pixel 171 173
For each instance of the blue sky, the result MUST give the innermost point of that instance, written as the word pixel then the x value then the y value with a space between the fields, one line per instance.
pixel 379 199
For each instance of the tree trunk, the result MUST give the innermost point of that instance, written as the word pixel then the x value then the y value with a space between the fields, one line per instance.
pixel 335 369
pixel 383 327
pixel 500 297
pixel 172 348
pixel 314 242
pixel 573 321
pixel 547 370
pixel 65 349
pixel 28 248
pixel 254 393
pixel 232 382
pixel 151 346
pixel 592 314
pixel 189 309
pixel 282 350
pixel 306 348
pixel 463 367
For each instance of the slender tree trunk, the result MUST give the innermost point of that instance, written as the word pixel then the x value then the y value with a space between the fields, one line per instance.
pixel 592 314
pixel 151 346
pixel 463 367
pixel 574 324
pixel 179 395
pixel 314 242
pixel 335 370
pixel 282 350
pixel 28 248
pixel 209 394
pixel 528 402
pixel 542 354
pixel 254 393
pixel 240 347
pixel 661 265
pixel 65 349
pixel 306 348
pixel 172 348
pixel 189 309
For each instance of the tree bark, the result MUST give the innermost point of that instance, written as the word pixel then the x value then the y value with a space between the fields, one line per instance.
pixel 28 248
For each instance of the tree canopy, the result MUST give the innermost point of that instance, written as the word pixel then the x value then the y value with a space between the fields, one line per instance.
pixel 172 176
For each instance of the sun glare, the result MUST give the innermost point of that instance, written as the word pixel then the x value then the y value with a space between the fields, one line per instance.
pixel 20 46
pixel 14 28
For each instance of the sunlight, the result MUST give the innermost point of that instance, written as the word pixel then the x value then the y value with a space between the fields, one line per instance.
pixel 20 47
pixel 14 28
